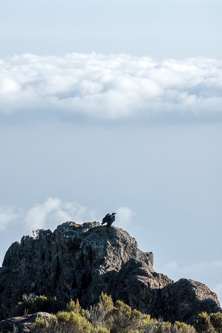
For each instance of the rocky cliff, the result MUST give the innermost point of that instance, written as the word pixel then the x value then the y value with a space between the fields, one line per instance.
pixel 81 261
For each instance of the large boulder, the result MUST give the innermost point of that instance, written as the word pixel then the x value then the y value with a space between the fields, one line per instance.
pixel 185 299
pixel 22 324
pixel 81 261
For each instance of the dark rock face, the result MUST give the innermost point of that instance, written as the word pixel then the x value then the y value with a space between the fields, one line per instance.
pixel 81 261
pixel 190 298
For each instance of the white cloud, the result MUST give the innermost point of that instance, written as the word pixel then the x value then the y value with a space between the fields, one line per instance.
pixel 124 216
pixel 110 87
pixel 7 216
pixel 54 212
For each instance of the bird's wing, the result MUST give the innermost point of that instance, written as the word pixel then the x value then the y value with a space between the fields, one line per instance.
pixel 106 218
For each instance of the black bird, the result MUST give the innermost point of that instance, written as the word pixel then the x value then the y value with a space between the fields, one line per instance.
pixel 109 219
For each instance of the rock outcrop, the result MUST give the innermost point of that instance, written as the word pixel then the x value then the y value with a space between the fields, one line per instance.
pixel 22 324
pixel 81 261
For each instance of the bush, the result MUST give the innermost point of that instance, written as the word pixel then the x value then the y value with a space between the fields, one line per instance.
pixel 105 317
pixel 100 314
pixel 100 330
pixel 63 317
pixel 216 321
pixel 124 318
pixel 75 307
pixel 73 321
pixel 41 325
pixel 148 324
pixel 32 303
pixel 203 323
pixel 118 318
pixel 183 328
pixel 63 322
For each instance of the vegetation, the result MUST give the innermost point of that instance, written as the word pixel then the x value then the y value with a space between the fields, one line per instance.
pixel 109 317
pixel 32 303
pixel 209 323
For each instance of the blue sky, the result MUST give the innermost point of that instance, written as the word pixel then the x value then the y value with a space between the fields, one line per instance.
pixel 160 29
pixel 115 106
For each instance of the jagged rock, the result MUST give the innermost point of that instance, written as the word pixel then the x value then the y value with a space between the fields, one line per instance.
pixel 190 297
pixel 81 261
pixel 21 324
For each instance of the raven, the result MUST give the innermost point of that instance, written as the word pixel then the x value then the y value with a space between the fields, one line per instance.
pixel 109 219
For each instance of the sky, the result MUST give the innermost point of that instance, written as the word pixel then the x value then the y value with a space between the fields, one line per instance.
pixel 115 106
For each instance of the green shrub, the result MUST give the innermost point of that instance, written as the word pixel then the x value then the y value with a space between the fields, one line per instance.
pixel 183 328
pixel 32 304
pixel 118 318
pixel 100 314
pixel 105 317
pixel 63 322
pixel 100 330
pixel 73 321
pixel 41 325
pixel 165 327
pixel 75 307
pixel 123 309
pixel 216 321
pixel 124 318
pixel 63 317
pixel 148 324
pixel 203 323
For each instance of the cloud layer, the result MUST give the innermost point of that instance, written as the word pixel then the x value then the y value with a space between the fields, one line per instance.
pixel 110 87
pixel 53 212
pixel 48 214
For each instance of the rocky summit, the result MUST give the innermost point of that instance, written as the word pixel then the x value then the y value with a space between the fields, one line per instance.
pixel 82 261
